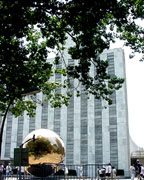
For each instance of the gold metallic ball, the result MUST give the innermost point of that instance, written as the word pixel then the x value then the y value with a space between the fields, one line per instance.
pixel 46 151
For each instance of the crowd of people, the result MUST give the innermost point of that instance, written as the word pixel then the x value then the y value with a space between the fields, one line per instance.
pixel 8 171
pixel 107 171
pixel 137 170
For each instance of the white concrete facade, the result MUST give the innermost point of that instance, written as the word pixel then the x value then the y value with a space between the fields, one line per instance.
pixel 91 133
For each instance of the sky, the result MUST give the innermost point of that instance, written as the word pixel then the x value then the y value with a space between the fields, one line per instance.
pixel 135 94
pixel 135 91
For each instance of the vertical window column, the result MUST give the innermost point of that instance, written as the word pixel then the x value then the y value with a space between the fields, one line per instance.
pixel 44 115
pixel 70 132
pixel 8 135
pixel 98 131
pixel 31 124
pixel 70 124
pixel 113 117
pixel 57 111
pixel 84 128
pixel 32 119
pixel 20 130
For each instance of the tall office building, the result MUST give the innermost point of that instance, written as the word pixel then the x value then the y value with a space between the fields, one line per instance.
pixel 91 133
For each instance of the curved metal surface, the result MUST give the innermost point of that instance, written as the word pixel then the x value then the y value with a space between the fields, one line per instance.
pixel 46 149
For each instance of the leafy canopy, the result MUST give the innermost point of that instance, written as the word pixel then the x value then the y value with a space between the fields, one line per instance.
pixel 31 29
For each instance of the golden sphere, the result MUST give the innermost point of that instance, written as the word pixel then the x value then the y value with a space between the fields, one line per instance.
pixel 46 151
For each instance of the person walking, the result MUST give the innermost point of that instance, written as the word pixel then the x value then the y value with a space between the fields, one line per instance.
pixel 1 171
pixel 80 171
pixel 132 172
pixel 65 170
pixel 114 173
pixel 142 172
pixel 138 169
pixel 102 173
pixel 97 173
pixel 8 170
pixel 1 168
pixel 108 171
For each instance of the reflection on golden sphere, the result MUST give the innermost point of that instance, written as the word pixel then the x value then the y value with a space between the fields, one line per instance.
pixel 46 149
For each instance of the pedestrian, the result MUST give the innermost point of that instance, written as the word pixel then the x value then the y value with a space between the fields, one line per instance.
pixel 108 171
pixel 132 172
pixel 80 171
pixel 114 173
pixel 1 171
pixel 17 171
pixel 138 169
pixel 22 170
pixel 1 168
pixel 102 173
pixel 142 172
pixel 8 170
pixel 65 170
pixel 97 172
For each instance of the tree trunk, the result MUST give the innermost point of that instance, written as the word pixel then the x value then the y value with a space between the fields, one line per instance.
pixel 2 128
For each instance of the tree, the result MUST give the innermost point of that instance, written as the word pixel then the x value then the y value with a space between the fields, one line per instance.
pixel 30 29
